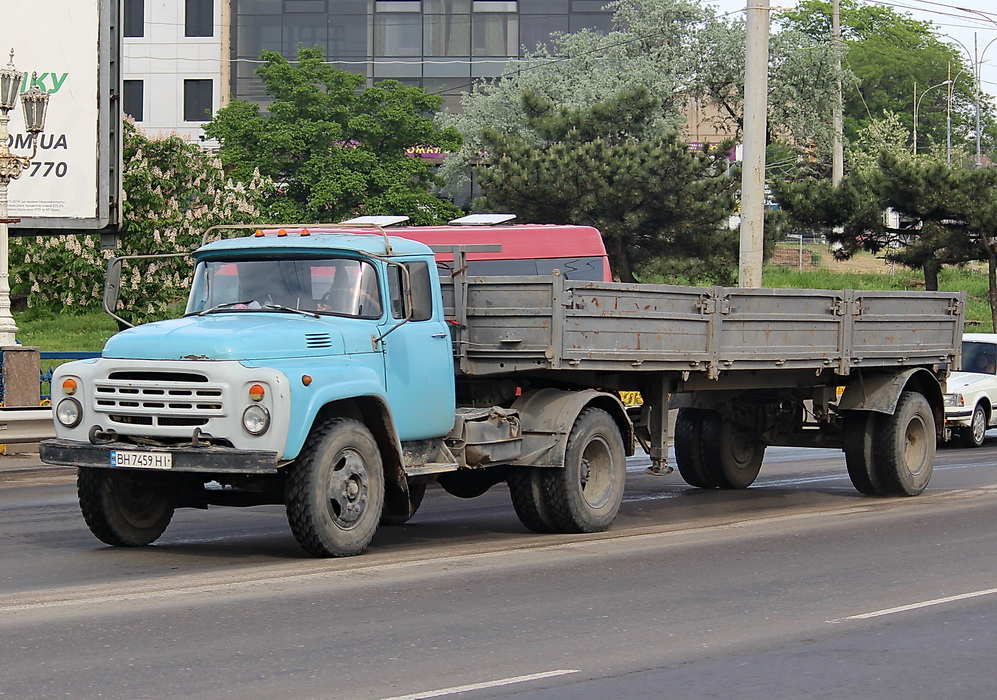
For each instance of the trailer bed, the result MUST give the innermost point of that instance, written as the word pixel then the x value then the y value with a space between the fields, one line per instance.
pixel 506 325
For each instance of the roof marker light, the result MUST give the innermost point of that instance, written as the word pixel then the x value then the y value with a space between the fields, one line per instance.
pixel 281 233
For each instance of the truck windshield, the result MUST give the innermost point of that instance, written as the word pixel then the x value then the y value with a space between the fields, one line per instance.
pixel 336 286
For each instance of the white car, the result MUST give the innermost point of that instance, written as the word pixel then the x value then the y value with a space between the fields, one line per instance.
pixel 972 397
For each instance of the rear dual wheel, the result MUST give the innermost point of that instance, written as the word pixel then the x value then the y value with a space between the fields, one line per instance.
pixel 585 495
pixel 891 455
pixel 713 453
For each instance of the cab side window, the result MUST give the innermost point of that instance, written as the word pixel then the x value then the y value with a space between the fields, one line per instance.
pixel 422 291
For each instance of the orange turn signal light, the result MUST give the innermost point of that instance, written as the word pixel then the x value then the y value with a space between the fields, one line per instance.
pixel 69 386
pixel 306 380
pixel 257 392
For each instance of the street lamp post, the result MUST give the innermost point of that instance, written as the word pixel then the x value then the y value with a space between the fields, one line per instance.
pixel 917 101
pixel 34 103
pixel 979 88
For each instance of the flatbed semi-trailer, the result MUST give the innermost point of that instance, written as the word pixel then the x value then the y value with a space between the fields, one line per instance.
pixel 339 373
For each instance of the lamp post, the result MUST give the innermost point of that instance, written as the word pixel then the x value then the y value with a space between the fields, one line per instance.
pixel 976 58
pixel 948 114
pixel 35 103
pixel 917 101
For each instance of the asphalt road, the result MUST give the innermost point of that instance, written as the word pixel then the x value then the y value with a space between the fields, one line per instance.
pixel 796 587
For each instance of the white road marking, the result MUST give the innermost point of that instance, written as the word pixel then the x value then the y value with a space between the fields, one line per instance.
pixel 482 686
pixel 916 606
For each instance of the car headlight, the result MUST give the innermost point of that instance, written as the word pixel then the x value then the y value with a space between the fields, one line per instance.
pixel 69 413
pixel 256 420
pixel 954 400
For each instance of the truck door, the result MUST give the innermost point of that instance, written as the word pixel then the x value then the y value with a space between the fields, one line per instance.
pixel 418 358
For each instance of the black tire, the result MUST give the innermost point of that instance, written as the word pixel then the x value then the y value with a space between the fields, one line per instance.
pixel 860 430
pixel 400 507
pixel 689 456
pixel 731 458
pixel 585 495
pixel 975 434
pixel 334 492
pixel 904 447
pixel 122 508
pixel 526 487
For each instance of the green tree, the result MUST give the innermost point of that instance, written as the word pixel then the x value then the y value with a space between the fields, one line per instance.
pixel 651 197
pixel 915 211
pixel 172 192
pixel 336 149
pixel 891 55
pixel 680 50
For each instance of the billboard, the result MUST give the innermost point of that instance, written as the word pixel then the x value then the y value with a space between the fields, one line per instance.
pixel 70 49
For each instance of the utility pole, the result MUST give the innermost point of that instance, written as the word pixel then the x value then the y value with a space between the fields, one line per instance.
pixel 756 64
pixel 838 155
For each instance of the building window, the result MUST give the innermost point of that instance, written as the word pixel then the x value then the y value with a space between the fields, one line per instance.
pixel 197 100
pixel 134 19
pixel 398 35
pixel 494 34
pixel 200 18
pixel 132 99
pixel 447 35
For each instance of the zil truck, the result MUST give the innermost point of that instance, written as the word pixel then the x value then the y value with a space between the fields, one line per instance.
pixel 339 371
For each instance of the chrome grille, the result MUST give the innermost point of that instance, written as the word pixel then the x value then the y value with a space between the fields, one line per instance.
pixel 153 399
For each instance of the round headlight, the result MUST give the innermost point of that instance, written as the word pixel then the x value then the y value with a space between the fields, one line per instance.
pixel 69 413
pixel 256 420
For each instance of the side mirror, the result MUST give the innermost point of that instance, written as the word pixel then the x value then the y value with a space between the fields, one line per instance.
pixel 112 287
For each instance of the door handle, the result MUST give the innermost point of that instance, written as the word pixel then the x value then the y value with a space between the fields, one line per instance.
pixel 440 335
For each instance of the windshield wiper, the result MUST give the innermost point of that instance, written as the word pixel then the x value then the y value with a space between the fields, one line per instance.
pixel 227 304
pixel 292 310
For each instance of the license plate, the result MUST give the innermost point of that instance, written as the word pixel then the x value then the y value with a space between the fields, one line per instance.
pixel 142 460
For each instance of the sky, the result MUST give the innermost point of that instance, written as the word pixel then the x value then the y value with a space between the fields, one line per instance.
pixel 958 19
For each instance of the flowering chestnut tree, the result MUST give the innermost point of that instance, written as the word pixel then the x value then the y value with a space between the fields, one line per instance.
pixel 172 192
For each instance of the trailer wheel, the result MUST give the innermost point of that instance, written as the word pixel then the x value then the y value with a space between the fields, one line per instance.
pixel 859 438
pixel 731 458
pixel 399 508
pixel 689 448
pixel 974 435
pixel 585 495
pixel 122 509
pixel 526 487
pixel 904 447
pixel 334 492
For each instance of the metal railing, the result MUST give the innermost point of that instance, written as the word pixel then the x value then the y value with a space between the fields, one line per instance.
pixel 26 424
pixel 20 424
pixel 45 378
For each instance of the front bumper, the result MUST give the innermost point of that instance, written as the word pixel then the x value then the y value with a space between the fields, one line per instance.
pixel 220 460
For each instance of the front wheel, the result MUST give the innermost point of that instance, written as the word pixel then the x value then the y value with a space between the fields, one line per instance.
pixel 585 495
pixel 335 489
pixel 974 435
pixel 121 508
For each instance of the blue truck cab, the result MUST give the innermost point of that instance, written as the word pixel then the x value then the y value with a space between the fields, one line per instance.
pixel 285 334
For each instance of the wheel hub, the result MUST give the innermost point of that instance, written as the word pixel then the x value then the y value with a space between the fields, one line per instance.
pixel 349 488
